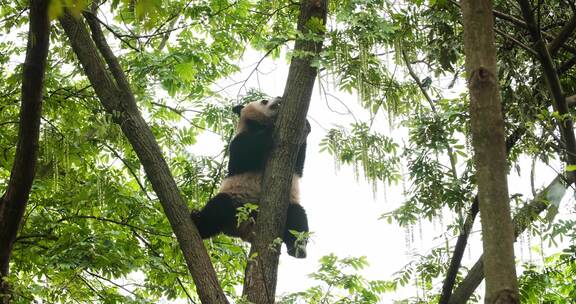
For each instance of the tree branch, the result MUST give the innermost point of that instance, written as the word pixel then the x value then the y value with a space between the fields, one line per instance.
pixel 462 240
pixel 524 217
pixel 566 125
pixel 564 67
pixel 121 223
pixel 563 36
pixel 519 22
pixel 516 41
pixel 261 271
pixel 13 202
pixel 118 100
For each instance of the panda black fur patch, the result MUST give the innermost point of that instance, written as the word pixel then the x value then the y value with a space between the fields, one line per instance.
pixel 249 151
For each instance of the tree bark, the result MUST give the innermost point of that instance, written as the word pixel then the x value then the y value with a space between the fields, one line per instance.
pixel 13 202
pixel 262 269
pixel 462 240
pixel 113 90
pixel 552 194
pixel 487 126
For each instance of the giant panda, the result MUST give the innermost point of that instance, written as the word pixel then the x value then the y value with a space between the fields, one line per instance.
pixel 249 150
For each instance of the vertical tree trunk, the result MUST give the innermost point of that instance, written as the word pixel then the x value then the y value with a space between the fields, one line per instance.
pixel 490 154
pixel 262 269
pixel 553 193
pixel 13 202
pixel 113 90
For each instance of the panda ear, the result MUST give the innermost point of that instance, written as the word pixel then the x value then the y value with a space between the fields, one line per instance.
pixel 237 109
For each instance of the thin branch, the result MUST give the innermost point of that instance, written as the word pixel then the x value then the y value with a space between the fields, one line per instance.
pixel 566 125
pixel 516 41
pixel 258 64
pixel 121 223
pixel 127 165
pixel 462 240
pixel 111 282
pixel 563 36
pixel 431 102
pixel 523 218
pixel 158 255
pixel 517 21
pixel 418 82
pixel 111 30
pixel 567 65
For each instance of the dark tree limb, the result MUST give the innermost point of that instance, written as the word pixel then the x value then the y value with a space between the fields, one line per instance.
pixel 13 202
pixel 115 94
pixel 462 240
pixel 564 67
pixel 515 20
pixel 571 101
pixel 523 219
pixel 516 41
pixel 563 36
pixel 262 269
pixel 566 125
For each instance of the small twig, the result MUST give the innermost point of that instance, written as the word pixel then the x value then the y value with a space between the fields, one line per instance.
pixel 127 165
pixel 111 30
pixel 258 64
pixel 111 282
pixel 103 219
pixel 516 41
pixel 563 36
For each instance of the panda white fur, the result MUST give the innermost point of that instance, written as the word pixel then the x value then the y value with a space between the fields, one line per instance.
pixel 249 151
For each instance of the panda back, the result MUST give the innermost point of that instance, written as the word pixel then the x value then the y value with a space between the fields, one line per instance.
pixel 247 187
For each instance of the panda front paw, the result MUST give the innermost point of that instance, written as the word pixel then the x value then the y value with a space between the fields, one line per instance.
pixel 298 250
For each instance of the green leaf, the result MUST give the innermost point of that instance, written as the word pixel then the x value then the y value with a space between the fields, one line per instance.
pixel 55 9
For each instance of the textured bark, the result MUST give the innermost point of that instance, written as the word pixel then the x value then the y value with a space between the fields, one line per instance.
pixel 13 202
pixel 117 98
pixel 553 193
pixel 563 36
pixel 262 269
pixel 462 240
pixel 487 126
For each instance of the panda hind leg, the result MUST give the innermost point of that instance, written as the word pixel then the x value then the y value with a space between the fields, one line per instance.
pixel 297 221
pixel 219 213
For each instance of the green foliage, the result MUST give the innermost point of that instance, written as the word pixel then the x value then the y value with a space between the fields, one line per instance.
pixel 94 231
pixel 340 282
pixel 553 283
pixel 245 213
pixel 373 151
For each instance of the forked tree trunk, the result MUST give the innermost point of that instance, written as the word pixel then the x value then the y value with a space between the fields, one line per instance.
pixel 488 139
pixel 262 269
pixel 115 94
pixel 13 202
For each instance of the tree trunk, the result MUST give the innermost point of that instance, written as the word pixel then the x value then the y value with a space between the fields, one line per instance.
pixel 13 202
pixel 552 194
pixel 114 92
pixel 487 126
pixel 262 269
pixel 462 240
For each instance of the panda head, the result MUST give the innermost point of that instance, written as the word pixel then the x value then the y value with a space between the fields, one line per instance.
pixel 257 114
